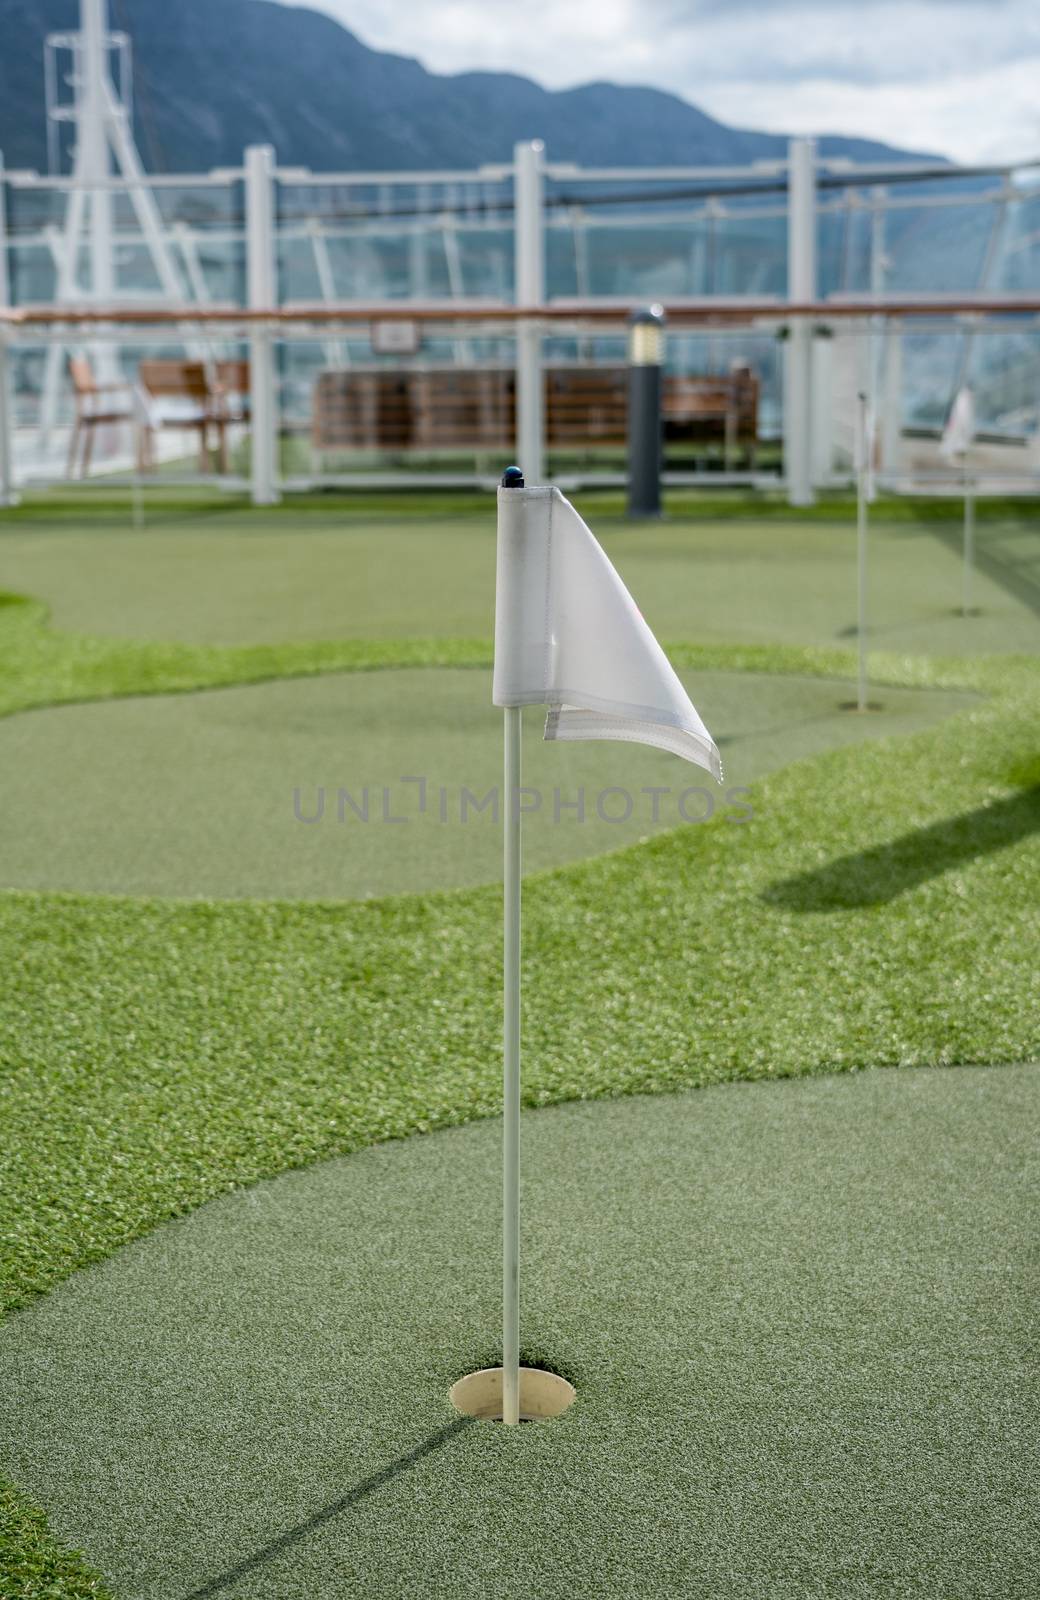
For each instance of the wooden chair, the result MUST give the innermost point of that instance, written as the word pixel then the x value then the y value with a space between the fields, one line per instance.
pixel 194 402
pixel 96 407
pixel 233 384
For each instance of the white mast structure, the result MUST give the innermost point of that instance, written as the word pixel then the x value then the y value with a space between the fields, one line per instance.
pixel 105 162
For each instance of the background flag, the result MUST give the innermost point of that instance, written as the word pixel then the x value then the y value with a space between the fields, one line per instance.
pixel 960 426
pixel 569 635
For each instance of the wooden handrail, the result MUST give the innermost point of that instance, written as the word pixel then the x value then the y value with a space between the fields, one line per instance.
pixel 679 313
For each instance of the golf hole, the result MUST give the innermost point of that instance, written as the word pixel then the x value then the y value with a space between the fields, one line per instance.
pixel 542 1395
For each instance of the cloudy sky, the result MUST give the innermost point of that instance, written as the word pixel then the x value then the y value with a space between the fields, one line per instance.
pixel 960 77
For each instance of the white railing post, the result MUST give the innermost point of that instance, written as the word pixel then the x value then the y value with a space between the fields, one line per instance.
pixel 890 403
pixel 261 272
pixel 529 235
pixel 801 289
pixel 821 411
pixel 7 494
pixel 92 135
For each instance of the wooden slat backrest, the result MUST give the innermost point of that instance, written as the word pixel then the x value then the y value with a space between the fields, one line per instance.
pixel 586 405
pixel 468 407
pixel 81 375
pixel 361 411
pixel 185 379
pixel 232 376
pixel 707 399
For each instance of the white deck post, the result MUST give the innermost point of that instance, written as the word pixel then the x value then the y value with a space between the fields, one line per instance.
pixel 95 168
pixel 801 289
pixel 92 135
pixel 890 421
pixel 262 296
pixel 529 224
pixel 7 494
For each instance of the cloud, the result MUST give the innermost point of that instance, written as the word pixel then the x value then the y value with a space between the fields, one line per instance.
pixel 943 75
pixel 989 116
pixel 693 10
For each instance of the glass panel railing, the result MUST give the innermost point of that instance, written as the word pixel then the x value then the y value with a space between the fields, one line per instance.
pixel 436 239
pixel 174 242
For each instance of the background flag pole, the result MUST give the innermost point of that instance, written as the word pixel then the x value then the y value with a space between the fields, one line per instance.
pixel 969 542
pixel 863 446
pixel 512 479
pixel 957 438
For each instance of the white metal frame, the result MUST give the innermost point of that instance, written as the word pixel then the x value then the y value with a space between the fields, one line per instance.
pixel 107 165
pixel 801 290
pixel 7 489
pixel 261 269
pixel 102 124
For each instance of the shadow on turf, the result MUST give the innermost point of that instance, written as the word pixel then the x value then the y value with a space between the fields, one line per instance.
pixel 1009 558
pixel 285 1541
pixel 874 877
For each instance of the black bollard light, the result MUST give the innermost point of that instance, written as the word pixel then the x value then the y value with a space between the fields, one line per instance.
pixel 645 361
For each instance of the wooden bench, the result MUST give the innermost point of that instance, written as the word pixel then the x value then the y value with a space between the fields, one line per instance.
pixel 463 408
pixel 474 409
pixel 586 406
pixel 362 411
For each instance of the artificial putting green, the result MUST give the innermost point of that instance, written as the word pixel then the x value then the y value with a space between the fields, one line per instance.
pixel 880 909
pixel 242 577
pixel 238 792
pixel 800 1320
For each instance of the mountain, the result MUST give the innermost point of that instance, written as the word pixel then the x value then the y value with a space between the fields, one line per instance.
pixel 212 76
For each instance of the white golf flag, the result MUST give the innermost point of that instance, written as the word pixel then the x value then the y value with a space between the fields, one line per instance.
pixel 568 634
pixel 960 426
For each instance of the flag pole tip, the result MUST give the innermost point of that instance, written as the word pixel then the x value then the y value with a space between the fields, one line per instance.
pixel 512 478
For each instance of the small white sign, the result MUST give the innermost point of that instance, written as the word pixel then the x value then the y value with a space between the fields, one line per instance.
pixel 396 338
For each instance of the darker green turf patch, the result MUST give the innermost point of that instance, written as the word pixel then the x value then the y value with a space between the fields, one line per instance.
pixel 799 1318
pixel 295 789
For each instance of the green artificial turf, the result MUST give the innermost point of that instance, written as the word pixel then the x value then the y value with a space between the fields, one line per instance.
pixel 247 578
pixel 799 1318
pixel 44 667
pixel 158 1052
pixel 350 786
pixel 879 909
pixel 87 506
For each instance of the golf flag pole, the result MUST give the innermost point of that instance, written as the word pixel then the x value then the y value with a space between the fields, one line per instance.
pixel 511 899
pixel 569 636
pixel 969 543
pixel 862 449
pixel 511 1073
